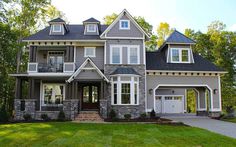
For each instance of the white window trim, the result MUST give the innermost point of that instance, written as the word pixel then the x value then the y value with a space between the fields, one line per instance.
pixel 53 28
pixel 180 55
pixel 111 51
pixel 119 83
pixel 42 103
pixel 138 51
pixel 91 31
pixel 120 24
pixel 85 51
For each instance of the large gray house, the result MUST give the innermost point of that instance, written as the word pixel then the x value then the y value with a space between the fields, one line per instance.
pixel 96 67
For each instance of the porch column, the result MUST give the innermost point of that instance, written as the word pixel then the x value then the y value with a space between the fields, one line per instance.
pixel 31 101
pixel 18 91
pixel 216 106
pixel 32 54
pixel 201 101
pixel 69 54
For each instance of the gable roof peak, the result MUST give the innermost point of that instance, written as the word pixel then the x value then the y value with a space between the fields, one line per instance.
pixel 178 38
pixel 58 19
pixel 92 20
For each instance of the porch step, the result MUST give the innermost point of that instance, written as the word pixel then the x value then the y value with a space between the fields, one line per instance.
pixel 88 116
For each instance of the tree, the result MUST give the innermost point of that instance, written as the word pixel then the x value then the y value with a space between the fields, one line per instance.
pixel 108 19
pixel 163 31
pixel 25 16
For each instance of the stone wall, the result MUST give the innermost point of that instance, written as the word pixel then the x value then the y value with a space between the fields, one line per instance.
pixel 70 108
pixel 51 114
pixel 134 110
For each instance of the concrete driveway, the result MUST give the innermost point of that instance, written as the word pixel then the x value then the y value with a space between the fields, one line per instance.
pixel 217 126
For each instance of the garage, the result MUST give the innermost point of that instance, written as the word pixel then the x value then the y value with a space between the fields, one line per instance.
pixel 169 104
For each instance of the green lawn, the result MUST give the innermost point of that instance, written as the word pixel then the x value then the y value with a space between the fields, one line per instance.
pixel 74 134
pixel 230 120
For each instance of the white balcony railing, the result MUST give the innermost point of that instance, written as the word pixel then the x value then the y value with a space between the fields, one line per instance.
pixel 51 68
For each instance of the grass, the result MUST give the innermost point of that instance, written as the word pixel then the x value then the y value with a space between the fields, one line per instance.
pixel 74 134
pixel 230 119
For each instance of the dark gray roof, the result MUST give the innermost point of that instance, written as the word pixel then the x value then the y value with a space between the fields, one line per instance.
pixel 177 37
pixel 157 61
pixel 123 70
pixel 57 20
pixel 76 32
pixel 91 20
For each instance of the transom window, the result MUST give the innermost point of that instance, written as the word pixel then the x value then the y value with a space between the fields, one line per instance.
pixel 53 94
pixel 116 54
pixel 133 55
pixel 125 24
pixel 89 52
pixel 91 28
pixel 125 92
pixel 56 28
pixel 180 55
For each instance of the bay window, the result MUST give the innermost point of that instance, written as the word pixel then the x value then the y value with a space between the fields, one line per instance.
pixel 125 90
pixel 180 55
pixel 53 94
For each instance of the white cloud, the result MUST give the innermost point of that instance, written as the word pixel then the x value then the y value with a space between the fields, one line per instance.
pixel 232 28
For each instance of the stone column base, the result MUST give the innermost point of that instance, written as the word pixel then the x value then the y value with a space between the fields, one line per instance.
pixel 214 114
pixel 30 107
pixel 70 108
pixel 103 108
pixel 202 113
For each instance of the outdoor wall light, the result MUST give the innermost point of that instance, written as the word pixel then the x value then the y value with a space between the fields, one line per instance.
pixel 173 91
pixel 150 91
pixel 215 91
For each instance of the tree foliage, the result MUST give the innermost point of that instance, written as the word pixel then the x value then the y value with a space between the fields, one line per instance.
pixel 163 31
pixel 25 16
pixel 218 46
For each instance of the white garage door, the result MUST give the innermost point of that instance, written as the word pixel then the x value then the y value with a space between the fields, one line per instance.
pixel 169 104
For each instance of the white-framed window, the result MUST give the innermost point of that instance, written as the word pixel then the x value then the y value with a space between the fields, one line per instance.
pixel 89 51
pixel 125 90
pixel 53 94
pixel 116 54
pixel 91 27
pixel 124 24
pixel 180 55
pixel 133 55
pixel 56 27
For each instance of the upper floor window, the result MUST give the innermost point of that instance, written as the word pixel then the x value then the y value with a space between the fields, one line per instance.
pixel 55 57
pixel 56 28
pixel 89 52
pixel 91 27
pixel 124 24
pixel 133 55
pixel 180 55
pixel 116 55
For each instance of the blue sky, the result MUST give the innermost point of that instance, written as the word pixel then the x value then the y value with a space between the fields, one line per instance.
pixel 180 14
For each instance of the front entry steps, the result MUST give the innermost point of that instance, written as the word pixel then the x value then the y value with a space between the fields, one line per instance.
pixel 89 116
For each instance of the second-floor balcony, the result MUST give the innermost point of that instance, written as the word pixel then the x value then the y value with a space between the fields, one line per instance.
pixel 51 68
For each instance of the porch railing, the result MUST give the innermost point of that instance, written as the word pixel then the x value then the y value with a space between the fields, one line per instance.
pixel 34 67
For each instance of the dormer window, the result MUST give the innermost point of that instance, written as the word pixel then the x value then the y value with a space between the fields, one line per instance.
pixel 180 55
pixel 124 24
pixel 91 27
pixel 56 28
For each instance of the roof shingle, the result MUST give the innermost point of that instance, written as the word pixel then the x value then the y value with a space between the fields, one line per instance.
pixel 157 61
pixel 123 70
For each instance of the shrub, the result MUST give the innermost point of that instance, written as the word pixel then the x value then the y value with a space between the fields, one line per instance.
pixel 27 117
pixel 230 111
pixel 143 115
pixel 152 114
pixel 112 114
pixel 127 116
pixel 45 117
pixel 61 116
pixel 4 117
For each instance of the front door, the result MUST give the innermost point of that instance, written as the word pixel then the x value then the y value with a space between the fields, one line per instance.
pixel 90 96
